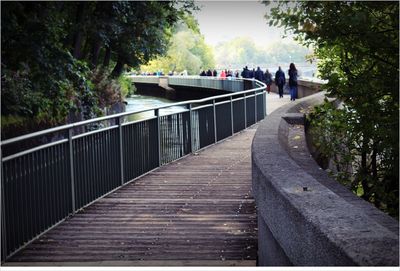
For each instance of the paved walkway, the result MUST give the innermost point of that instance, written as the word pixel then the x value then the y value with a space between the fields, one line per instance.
pixel 274 102
pixel 194 211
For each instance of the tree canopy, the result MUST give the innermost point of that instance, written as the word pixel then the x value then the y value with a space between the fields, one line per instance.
pixel 357 43
pixel 187 51
pixel 54 54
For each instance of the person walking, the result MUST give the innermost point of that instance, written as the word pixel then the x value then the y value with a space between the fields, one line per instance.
pixel 259 75
pixel 268 80
pixel 252 73
pixel 280 81
pixel 245 72
pixel 223 74
pixel 293 81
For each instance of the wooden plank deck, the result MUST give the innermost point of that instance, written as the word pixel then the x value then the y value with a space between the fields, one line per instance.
pixel 194 211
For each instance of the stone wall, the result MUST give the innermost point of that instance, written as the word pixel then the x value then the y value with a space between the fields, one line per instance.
pixel 305 217
pixel 305 88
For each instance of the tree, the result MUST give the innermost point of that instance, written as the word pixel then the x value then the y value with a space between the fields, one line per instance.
pixel 55 55
pixel 187 50
pixel 358 45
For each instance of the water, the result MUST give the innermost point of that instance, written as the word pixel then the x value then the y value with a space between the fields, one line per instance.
pixel 142 102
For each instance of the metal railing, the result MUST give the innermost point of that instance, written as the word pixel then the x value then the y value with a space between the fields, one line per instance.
pixel 43 185
pixel 145 79
pixel 228 84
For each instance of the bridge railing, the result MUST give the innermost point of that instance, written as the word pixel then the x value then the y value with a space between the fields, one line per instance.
pixel 228 84
pixel 146 79
pixel 44 184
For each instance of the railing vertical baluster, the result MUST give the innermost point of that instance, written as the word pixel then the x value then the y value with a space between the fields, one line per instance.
pixel 255 107
pixel 121 149
pixel 245 110
pixel 157 113
pixel 162 137
pixel 264 104
pixel 215 122
pixel 179 132
pixel 3 210
pixel 71 164
pixel 190 129
pixel 232 115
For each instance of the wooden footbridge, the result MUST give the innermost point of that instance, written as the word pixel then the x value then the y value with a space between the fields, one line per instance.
pixel 120 193
pixel 197 211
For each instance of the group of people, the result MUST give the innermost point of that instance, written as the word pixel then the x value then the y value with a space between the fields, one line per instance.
pixel 209 73
pixel 222 74
pixel 258 74
pixel 280 79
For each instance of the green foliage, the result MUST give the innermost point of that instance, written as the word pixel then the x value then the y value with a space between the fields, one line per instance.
pixel 187 51
pixel 56 56
pixel 127 87
pixel 332 133
pixel 358 45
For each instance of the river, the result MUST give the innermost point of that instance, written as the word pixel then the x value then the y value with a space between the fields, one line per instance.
pixel 141 102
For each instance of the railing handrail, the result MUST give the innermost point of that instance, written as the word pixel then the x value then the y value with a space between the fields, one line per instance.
pixel 119 115
pixel 232 78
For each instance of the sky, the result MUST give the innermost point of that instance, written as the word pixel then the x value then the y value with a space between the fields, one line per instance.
pixel 224 20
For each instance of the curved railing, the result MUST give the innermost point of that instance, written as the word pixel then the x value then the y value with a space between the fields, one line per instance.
pixel 230 84
pixel 45 183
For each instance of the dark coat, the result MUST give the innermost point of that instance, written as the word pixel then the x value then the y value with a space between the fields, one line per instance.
pixel 252 73
pixel 245 73
pixel 280 79
pixel 293 78
pixel 259 75
pixel 268 78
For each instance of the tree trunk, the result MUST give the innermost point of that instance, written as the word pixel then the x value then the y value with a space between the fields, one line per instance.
pixel 78 37
pixel 95 53
pixel 107 57
pixel 86 48
pixel 117 71
pixel 77 44
pixel 364 170
pixel 374 163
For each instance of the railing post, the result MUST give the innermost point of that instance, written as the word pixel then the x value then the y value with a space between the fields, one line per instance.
pixel 121 149
pixel 255 107
pixel 190 128
pixel 245 110
pixel 265 103
pixel 157 113
pixel 232 116
pixel 215 122
pixel 71 168
pixel 3 213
